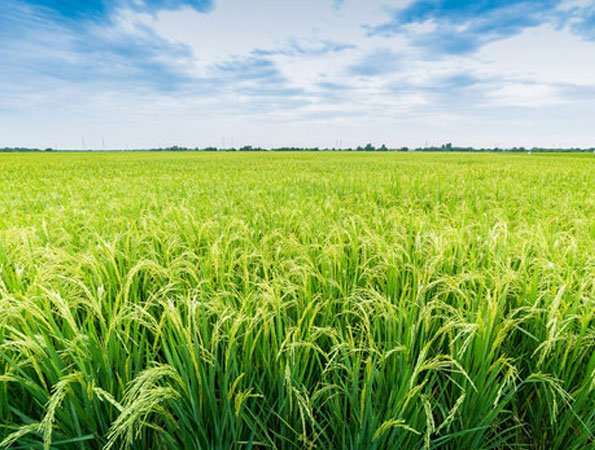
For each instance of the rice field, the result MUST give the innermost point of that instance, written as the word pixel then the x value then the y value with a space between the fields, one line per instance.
pixel 309 301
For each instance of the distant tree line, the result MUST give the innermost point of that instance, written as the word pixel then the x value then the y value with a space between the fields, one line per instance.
pixel 24 150
pixel 367 148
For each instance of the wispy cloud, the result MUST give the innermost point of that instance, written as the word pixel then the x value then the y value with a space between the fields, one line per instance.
pixel 380 61
pixel 581 17
pixel 455 26
pixel 111 52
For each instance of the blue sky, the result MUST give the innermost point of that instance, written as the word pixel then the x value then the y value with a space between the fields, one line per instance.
pixel 146 73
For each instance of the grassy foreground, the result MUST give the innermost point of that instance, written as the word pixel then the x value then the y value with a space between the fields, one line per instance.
pixel 331 301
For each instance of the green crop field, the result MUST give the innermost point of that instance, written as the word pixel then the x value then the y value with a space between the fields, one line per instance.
pixel 297 301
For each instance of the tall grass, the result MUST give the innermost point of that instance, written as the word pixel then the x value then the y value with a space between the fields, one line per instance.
pixel 167 301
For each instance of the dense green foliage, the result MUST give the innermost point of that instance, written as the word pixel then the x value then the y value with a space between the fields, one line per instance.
pixel 357 301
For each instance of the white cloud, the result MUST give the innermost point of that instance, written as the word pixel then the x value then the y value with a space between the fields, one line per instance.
pixel 525 95
pixel 541 54
pixel 238 28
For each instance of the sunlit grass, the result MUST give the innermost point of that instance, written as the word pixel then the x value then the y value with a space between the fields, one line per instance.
pixel 358 301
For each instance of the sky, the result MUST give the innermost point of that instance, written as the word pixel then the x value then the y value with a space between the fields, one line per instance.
pixel 124 74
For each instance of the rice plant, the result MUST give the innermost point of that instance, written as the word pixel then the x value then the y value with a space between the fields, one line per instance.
pixel 283 301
